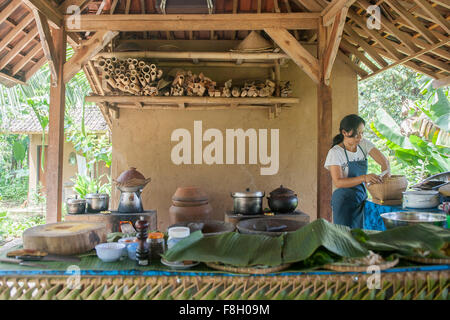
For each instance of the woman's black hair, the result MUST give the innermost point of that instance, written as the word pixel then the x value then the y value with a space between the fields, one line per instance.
pixel 348 123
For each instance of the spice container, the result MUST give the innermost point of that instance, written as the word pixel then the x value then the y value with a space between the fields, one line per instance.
pixel 157 245
pixel 176 234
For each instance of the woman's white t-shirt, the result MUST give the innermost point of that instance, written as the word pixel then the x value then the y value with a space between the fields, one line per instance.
pixel 336 155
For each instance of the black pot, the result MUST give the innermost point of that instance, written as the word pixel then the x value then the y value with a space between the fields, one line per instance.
pixel 282 200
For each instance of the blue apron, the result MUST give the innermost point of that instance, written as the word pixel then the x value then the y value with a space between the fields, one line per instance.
pixel 348 203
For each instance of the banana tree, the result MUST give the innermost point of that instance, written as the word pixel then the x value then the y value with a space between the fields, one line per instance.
pixel 426 157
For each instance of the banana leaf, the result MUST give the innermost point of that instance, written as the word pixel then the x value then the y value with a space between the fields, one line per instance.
pixel 301 244
pixel 241 250
pixel 408 241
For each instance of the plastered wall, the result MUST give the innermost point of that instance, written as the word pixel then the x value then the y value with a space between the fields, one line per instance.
pixel 142 139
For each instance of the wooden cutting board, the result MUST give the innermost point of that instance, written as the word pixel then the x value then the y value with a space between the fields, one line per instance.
pixel 65 238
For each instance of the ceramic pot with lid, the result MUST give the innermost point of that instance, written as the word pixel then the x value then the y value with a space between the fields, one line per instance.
pixel 189 204
pixel 282 200
pixel 97 202
pixel 248 202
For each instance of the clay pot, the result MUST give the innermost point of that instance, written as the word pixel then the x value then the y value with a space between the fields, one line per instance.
pixel 189 204
pixel 131 173
pixel 189 194
pixel 183 214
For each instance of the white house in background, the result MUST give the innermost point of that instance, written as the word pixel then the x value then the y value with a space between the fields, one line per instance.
pixel 73 163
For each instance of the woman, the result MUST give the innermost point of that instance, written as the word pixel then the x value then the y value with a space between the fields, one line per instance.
pixel 347 163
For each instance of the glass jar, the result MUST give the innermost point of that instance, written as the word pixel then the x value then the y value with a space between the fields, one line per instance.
pixel 176 234
pixel 157 245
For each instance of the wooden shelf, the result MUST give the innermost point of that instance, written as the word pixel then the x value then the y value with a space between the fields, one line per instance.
pixel 189 103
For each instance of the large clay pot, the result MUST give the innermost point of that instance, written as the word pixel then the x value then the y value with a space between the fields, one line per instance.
pixel 184 214
pixel 189 204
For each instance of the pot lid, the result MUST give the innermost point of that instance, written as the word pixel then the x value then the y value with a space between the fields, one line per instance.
pixel 282 192
pixel 96 196
pixel 75 201
pixel 191 193
pixel 131 173
pixel 248 194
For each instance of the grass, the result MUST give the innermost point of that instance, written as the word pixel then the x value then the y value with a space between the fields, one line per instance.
pixel 12 226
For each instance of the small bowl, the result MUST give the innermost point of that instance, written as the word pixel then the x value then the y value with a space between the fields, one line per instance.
pixel 109 252
pixel 132 247
pixel 407 218
pixel 127 241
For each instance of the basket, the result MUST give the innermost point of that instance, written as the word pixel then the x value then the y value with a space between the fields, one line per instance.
pixel 253 270
pixel 391 188
pixel 433 261
pixel 354 268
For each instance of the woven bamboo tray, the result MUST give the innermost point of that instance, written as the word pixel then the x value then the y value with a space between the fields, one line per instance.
pixel 352 268
pixel 429 285
pixel 247 270
pixel 428 260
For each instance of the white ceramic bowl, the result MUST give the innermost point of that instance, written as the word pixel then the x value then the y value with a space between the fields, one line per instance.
pixel 109 252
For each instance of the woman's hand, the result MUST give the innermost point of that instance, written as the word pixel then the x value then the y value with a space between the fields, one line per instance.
pixel 371 178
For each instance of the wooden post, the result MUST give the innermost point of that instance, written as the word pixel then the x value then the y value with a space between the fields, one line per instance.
pixel 324 126
pixel 54 168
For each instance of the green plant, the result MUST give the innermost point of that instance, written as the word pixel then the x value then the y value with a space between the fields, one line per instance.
pixel 13 226
pixel 85 185
pixel 424 157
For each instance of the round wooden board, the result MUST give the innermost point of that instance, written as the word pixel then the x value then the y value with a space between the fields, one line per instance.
pixel 350 268
pixel 247 270
pixel 65 238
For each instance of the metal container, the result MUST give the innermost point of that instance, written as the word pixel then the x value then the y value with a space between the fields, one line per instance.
pixel 208 227
pixel 424 199
pixel 249 203
pixel 130 199
pixel 97 202
pixel 76 206
pixel 407 218
pixel 282 200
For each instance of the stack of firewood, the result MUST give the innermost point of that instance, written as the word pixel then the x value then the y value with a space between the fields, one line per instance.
pixel 130 76
pixel 136 77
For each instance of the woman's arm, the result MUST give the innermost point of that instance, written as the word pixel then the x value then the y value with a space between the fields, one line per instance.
pixel 341 182
pixel 380 159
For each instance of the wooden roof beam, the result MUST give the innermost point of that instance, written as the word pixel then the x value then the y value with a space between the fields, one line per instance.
pixel 407 58
pixel 310 5
pixel 10 8
pixel 27 58
pixel 81 4
pixel 335 7
pixel 15 31
pixel 441 83
pixel 344 58
pixel 47 44
pixel 18 47
pixel 14 80
pixel 333 43
pixel 306 61
pixel 413 65
pixel 417 25
pixel 391 28
pixel 363 44
pixel 87 51
pixel 29 73
pixel 195 22
pixel 386 44
pixel 48 10
pixel 443 3
pixel 347 46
